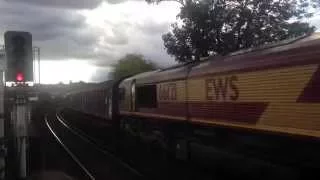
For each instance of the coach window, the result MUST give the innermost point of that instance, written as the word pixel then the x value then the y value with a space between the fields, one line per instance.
pixel 147 96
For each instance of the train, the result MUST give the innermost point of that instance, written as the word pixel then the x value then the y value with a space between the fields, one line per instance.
pixel 260 103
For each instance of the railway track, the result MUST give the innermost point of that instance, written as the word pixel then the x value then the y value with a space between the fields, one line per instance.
pixel 224 169
pixel 95 162
pixel 142 155
pixel 138 154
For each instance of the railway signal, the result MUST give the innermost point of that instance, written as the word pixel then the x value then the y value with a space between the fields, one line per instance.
pixel 19 58
pixel 19 55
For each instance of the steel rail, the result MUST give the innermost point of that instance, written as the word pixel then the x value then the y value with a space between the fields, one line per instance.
pixel 74 157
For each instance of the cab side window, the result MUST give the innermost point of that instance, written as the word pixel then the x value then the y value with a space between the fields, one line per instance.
pixel 147 96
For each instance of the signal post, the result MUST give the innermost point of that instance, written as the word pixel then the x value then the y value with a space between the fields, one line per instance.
pixel 20 120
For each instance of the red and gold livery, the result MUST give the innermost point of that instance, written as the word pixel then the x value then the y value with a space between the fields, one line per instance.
pixel 274 89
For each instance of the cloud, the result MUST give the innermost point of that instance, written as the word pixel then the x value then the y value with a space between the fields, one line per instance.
pixel 118 37
pixel 133 27
pixel 69 4
pixel 101 74
pixel 43 24
pixel 315 21
pixel 60 33
pixel 65 30
pixel 72 4
pixel 119 1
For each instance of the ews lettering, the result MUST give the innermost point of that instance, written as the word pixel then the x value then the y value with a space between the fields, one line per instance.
pixel 222 88
pixel 167 91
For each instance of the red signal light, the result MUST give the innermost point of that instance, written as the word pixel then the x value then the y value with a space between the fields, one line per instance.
pixel 20 77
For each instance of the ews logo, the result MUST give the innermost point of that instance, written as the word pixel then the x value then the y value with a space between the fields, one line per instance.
pixel 222 88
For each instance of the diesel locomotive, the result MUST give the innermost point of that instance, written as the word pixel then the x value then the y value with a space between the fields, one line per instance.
pixel 261 103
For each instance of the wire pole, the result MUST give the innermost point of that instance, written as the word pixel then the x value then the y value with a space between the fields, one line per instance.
pixel 37 56
pixel 34 61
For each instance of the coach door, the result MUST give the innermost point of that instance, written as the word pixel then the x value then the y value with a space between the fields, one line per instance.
pixel 110 106
pixel 108 102
pixel 133 95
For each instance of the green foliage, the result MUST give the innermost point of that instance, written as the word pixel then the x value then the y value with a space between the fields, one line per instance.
pixel 223 26
pixel 132 64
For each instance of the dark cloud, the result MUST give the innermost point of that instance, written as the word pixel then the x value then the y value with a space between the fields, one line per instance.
pixel 60 33
pixel 64 33
pixel 72 4
pixel 69 4
pixel 44 24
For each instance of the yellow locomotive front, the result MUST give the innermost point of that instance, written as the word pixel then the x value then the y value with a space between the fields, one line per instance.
pixel 275 90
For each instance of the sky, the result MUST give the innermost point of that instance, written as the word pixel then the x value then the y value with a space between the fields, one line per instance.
pixel 81 39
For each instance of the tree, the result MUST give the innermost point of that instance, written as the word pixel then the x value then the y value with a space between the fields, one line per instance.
pixel 223 26
pixel 132 64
